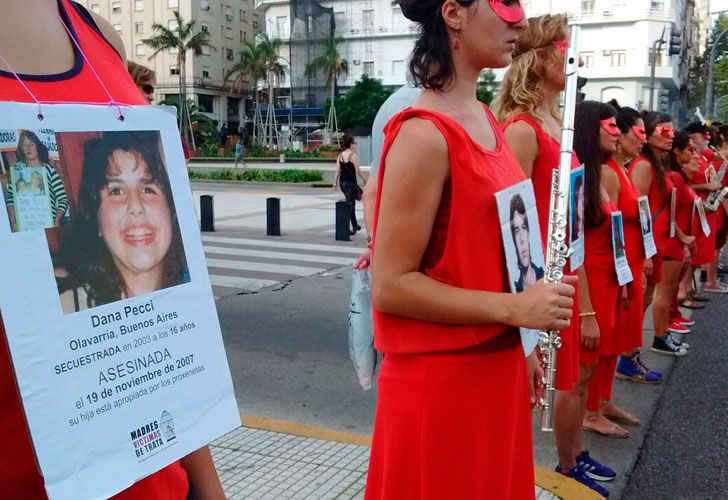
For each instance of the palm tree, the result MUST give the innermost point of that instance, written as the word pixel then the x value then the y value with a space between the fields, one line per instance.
pixel 333 65
pixel 252 66
pixel 182 38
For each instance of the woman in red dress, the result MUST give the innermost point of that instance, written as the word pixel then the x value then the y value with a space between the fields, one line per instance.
pixel 527 107
pixel 36 45
pixel 443 314
pixel 651 180
pixel 627 335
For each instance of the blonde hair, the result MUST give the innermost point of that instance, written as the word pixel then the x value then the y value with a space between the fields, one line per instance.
pixel 521 91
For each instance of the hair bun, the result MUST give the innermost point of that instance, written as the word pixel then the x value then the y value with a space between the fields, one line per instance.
pixel 419 11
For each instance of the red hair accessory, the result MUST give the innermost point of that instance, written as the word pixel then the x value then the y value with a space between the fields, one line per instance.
pixel 610 126
pixel 561 46
pixel 639 132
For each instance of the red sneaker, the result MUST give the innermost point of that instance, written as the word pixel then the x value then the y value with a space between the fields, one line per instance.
pixel 685 320
pixel 677 327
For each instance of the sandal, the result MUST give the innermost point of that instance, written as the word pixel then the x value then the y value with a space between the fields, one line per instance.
pixel 700 297
pixel 691 304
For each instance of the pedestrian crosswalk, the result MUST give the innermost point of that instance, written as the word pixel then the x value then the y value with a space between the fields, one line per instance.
pixel 240 265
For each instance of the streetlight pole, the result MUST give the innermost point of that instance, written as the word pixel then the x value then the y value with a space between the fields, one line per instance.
pixel 656 47
pixel 709 104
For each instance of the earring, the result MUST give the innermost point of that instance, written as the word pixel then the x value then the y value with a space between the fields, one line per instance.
pixel 456 42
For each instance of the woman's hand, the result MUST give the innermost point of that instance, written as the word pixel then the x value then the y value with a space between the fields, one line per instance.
pixel 535 378
pixel 649 267
pixel 364 261
pixel 547 306
pixel 625 297
pixel 589 332
pixel 686 240
pixel 713 186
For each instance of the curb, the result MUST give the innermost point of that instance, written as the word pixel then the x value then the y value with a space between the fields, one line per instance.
pixel 548 480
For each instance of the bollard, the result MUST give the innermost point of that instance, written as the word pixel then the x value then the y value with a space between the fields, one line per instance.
pixel 273 216
pixel 342 221
pixel 207 213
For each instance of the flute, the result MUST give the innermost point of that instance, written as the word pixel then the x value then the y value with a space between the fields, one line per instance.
pixel 556 249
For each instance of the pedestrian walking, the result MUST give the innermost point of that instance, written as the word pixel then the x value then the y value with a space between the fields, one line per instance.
pixel 346 176
pixel 239 152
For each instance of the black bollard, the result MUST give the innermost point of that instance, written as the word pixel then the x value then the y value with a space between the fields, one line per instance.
pixel 207 213
pixel 342 221
pixel 273 216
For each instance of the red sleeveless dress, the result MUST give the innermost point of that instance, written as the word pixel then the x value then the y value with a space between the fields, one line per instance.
pixel 628 331
pixel 602 277
pixel 453 415
pixel 684 200
pixel 19 474
pixel 705 245
pixel 567 362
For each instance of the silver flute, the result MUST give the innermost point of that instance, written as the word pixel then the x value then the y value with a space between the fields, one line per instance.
pixel 556 250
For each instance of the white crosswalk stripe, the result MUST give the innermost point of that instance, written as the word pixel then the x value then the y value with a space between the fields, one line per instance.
pixel 245 265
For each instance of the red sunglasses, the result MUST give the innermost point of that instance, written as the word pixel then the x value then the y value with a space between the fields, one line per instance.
pixel 511 11
pixel 639 132
pixel 665 131
pixel 610 126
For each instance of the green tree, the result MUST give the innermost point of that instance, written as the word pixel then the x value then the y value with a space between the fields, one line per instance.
pixel 252 67
pixel 269 52
pixel 358 107
pixel 202 127
pixel 486 87
pixel 332 65
pixel 183 38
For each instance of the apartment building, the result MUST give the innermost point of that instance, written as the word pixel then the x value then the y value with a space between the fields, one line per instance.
pixel 229 22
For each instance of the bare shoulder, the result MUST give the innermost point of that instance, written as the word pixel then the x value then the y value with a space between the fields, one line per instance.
pixel 521 132
pixel 419 142
pixel 641 166
pixel 110 34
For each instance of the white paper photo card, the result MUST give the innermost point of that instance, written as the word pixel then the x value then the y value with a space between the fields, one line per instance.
pixel 132 375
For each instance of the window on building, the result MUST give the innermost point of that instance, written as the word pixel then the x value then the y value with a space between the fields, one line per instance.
pixel 206 103
pixel 116 7
pixel 229 54
pixel 588 58
pixel 587 6
pixel 281 25
pixel 398 68
pixel 138 5
pixel 618 58
pixel 117 27
pixel 368 18
pixel 229 33
pixel 657 5
pixel 139 49
pixel 228 13
pixel 339 20
pixel 204 5
pixel 205 73
pixel 172 4
pixel 95 8
pixel 172 24
pixel 138 28
pixel 205 27
pixel 243 14
pixel 174 70
pixel 368 68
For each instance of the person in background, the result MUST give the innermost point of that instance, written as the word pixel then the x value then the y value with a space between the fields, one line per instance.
pixel 239 152
pixel 144 78
pixel 346 175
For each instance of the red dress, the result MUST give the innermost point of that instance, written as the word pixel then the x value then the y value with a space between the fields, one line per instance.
pixel 19 474
pixel 567 362
pixel 628 331
pixel 453 415
pixel 602 277
pixel 684 200
pixel 705 245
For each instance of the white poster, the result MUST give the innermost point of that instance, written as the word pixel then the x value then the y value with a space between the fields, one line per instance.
pixel 701 215
pixel 110 319
pixel 522 244
pixel 624 273
pixel 648 238
pixel 576 218
pixel 673 208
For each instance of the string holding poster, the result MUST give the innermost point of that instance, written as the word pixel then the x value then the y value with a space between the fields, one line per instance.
pixel 109 317
pixel 576 219
pixel 624 273
pixel 648 237
pixel 521 243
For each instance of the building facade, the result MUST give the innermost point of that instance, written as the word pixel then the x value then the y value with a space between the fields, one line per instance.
pixel 229 22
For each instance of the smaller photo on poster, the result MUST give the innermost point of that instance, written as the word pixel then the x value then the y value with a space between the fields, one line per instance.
pixel 32 178
pixel 648 238
pixel 624 274
pixel 576 218
pixel 710 174
pixel 521 243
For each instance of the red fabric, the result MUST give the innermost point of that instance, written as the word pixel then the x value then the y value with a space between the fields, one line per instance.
pixel 567 362
pixel 659 205
pixel 684 200
pixel 705 245
pixel 601 381
pixel 19 474
pixel 436 431
pixel 602 278
pixel 628 331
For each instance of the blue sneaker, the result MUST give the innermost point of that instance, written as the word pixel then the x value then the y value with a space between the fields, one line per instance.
pixel 633 369
pixel 579 475
pixel 594 469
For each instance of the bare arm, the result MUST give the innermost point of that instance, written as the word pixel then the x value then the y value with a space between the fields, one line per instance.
pixel 417 168
pixel 642 177
pixel 204 482
pixel 369 198
pixel 355 160
pixel 610 181
pixel 589 326
pixel 522 139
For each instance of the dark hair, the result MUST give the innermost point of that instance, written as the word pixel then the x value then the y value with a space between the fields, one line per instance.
pixel 517 206
pixel 431 65
pixel 589 151
pixel 627 118
pixel 347 141
pixel 578 185
pixel 716 137
pixel 103 283
pixel 42 150
pixel 679 142
pixel 652 119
